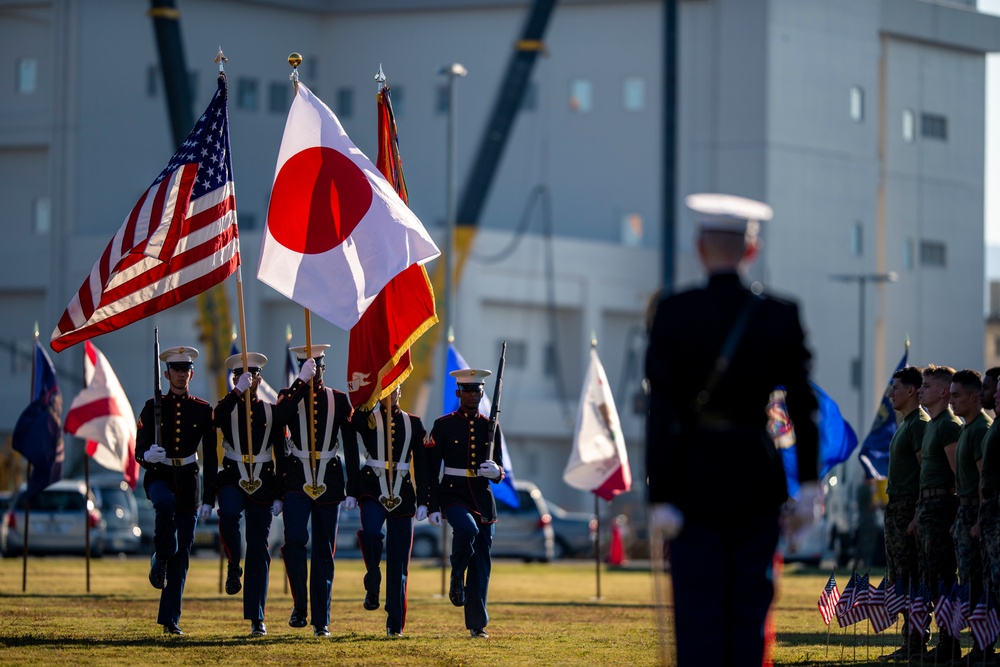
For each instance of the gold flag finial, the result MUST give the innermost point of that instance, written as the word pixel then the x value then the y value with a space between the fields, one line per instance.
pixel 221 60
pixel 295 59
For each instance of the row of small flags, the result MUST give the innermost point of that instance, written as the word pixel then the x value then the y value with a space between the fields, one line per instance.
pixel 881 604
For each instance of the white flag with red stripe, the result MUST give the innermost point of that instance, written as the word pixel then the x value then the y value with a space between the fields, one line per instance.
pixel 179 240
pixel 599 461
pixel 102 415
pixel 337 232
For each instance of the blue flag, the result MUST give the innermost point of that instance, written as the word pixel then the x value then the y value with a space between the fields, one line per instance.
pixel 38 432
pixel 504 491
pixel 836 437
pixel 874 454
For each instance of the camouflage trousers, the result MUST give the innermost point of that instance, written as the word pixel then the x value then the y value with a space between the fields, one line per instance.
pixel 900 547
pixel 967 554
pixel 989 531
pixel 935 547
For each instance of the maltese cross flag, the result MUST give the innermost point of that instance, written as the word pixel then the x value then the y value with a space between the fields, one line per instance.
pixel 599 461
pixel 337 232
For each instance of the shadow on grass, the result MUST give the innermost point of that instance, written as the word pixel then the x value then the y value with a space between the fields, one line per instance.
pixel 31 641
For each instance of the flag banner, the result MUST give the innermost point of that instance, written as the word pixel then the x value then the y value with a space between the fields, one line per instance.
pixel 943 606
pixel 828 599
pixel 378 354
pixel 337 232
pixel 102 415
pixel 265 392
pixel 874 453
pixel 179 240
pixel 984 623
pixel 877 613
pixel 920 610
pixel 599 461
pixel 38 431
pixel 855 609
pixel 896 599
pixel 504 491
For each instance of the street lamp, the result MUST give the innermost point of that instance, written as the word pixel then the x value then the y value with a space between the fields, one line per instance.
pixel 862 279
pixel 453 72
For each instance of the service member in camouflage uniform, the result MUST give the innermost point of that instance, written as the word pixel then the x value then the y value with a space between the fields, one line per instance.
pixel 965 390
pixel 938 504
pixel 989 508
pixel 903 488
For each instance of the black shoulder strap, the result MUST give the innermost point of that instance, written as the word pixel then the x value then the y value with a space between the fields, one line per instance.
pixel 728 349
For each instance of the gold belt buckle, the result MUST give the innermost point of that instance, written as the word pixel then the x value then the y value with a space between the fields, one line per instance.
pixel 317 456
pixel 177 462
pixel 470 473
pixel 246 458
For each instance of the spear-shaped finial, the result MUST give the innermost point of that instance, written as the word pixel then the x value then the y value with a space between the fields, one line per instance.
pixel 221 60
pixel 380 77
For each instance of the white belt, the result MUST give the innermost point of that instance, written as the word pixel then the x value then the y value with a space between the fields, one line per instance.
pixel 319 456
pixel 245 458
pixel 177 463
pixel 460 472
pixel 382 464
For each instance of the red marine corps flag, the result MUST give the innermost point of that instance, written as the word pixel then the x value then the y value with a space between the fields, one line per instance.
pixel 378 358
pixel 179 240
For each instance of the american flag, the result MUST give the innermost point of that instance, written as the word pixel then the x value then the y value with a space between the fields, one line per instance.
pixel 984 623
pixel 828 599
pixel 942 608
pixel 877 613
pixel 858 610
pixel 959 608
pixel 896 599
pixel 920 616
pixel 179 240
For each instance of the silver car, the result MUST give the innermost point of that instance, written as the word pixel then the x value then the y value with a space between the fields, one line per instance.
pixel 525 531
pixel 60 518
pixel 121 514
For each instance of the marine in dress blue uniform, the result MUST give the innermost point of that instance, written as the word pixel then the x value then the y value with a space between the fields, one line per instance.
pixel 171 478
pixel 381 484
pixel 248 483
pixel 460 441
pixel 312 500
pixel 716 482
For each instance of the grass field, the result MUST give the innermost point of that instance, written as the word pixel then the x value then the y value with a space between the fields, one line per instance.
pixel 540 615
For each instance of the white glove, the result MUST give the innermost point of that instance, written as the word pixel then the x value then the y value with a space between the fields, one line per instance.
pixel 421 512
pixel 434 518
pixel 350 503
pixel 155 454
pixel 666 520
pixel 804 509
pixel 204 512
pixel 308 370
pixel 489 470
pixel 276 507
pixel 244 383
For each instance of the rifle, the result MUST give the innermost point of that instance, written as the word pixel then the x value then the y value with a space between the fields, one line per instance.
pixel 495 408
pixel 157 399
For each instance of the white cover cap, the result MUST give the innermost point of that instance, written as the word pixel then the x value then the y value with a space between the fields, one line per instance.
pixel 727 213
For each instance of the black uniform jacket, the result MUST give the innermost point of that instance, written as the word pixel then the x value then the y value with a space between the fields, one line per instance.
pixel 363 481
pixel 460 440
pixel 185 423
pixel 295 471
pixel 719 462
pixel 234 402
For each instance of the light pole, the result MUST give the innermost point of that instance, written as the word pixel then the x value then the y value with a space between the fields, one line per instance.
pixel 862 279
pixel 453 72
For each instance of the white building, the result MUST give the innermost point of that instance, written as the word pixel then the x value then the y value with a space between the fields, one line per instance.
pixel 860 121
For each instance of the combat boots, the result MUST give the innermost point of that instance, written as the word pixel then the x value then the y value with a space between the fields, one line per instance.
pixel 947 651
pixel 913 648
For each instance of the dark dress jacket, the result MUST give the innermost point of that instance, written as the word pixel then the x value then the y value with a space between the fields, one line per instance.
pixel 230 474
pixel 185 423
pixel 363 480
pixel 718 462
pixel 460 440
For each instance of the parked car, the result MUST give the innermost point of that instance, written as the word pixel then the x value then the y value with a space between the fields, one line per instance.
pixel 525 531
pixel 206 534
pixel 118 506
pixel 60 518
pixel 575 532
pixel 146 519
pixel 5 498
pixel 426 538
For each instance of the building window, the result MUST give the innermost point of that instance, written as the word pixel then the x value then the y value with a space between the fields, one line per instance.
pixel 634 94
pixel 517 353
pixel 152 80
pixel 42 215
pixel 632 232
pixel 908 253
pixel 909 126
pixel 277 97
pixel 857 104
pixel 248 221
pixel 934 126
pixel 345 102
pixel 27 75
pixel 932 253
pixel 581 95
pixel 246 94
pixel 529 102
pixel 857 239
pixel 398 101
pixel 442 99
pixel 550 364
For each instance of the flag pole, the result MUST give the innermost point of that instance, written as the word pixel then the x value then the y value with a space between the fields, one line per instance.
pixel 288 345
pixel 311 489
pixel 27 478
pixel 597 546
pixel 86 482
